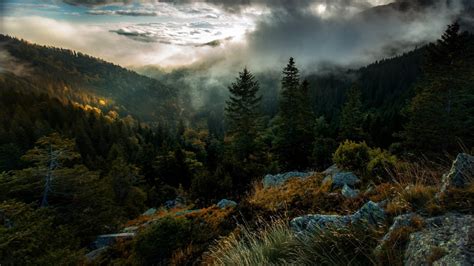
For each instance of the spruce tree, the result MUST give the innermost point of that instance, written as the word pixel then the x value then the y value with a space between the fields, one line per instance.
pixel 440 114
pixel 244 126
pixel 243 115
pixel 293 132
pixel 352 117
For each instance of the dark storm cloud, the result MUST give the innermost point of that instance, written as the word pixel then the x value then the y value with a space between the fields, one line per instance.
pixel 350 40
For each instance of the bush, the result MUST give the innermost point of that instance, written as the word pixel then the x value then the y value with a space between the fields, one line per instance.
pixel 352 156
pixel 156 244
pixel 381 165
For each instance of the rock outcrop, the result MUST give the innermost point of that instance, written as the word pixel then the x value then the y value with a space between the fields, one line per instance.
pixel 445 240
pixel 279 179
pixel 370 213
pixel 349 192
pixel 341 179
pixel 225 203
pixel 461 173
pixel 176 203
pixel 149 212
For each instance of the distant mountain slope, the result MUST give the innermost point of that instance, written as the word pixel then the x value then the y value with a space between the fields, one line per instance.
pixel 386 87
pixel 87 80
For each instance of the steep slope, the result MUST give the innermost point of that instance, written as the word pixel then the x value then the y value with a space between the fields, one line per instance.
pixel 86 80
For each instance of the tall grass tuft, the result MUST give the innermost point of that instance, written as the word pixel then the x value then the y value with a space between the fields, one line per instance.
pixel 272 244
pixel 277 244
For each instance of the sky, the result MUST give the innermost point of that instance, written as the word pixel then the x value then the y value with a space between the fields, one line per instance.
pixel 224 35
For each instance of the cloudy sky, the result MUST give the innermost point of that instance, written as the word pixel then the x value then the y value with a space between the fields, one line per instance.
pixel 231 33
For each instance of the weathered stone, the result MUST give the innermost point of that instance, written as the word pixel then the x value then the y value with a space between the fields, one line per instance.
pixel 107 240
pixel 461 173
pixel 149 212
pixel 176 203
pixel 349 192
pixel 279 179
pixel 311 222
pixel 339 180
pixel 450 236
pixel 370 213
pixel 332 170
pixel 225 203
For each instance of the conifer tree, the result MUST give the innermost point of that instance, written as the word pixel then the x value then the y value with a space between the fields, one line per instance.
pixel 440 114
pixel 352 117
pixel 293 136
pixel 244 123
pixel 243 115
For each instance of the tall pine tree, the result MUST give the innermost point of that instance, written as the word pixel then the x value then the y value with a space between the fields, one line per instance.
pixel 294 123
pixel 244 122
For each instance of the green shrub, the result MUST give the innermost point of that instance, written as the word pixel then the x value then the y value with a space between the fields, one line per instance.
pixel 381 165
pixel 352 156
pixel 157 243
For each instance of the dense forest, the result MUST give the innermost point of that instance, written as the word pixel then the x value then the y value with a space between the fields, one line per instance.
pixel 87 146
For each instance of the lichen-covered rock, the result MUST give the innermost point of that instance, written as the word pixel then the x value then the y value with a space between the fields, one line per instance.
pixel 311 222
pixel 339 180
pixel 332 170
pixel 349 192
pixel 445 240
pixel 225 203
pixel 279 179
pixel 176 203
pixel 149 212
pixel 370 213
pixel 461 173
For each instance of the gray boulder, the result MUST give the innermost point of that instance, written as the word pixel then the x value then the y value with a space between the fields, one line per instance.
pixel 349 192
pixel 332 170
pixel 312 222
pixel 446 240
pixel 149 212
pixel 279 179
pixel 339 180
pixel 225 203
pixel 461 173
pixel 107 240
pixel 370 213
pixel 404 220
pixel 176 203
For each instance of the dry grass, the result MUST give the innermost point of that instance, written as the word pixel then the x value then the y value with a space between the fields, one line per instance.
pixel 301 196
pixel 276 244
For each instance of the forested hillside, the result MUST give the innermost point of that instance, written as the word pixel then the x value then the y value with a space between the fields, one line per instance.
pixel 90 81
